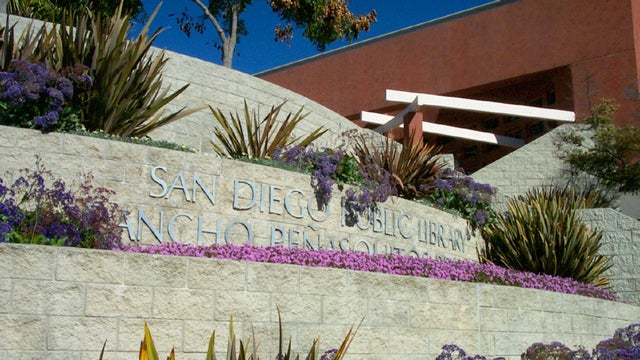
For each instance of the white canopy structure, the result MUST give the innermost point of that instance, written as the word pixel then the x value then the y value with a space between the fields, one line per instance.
pixel 416 101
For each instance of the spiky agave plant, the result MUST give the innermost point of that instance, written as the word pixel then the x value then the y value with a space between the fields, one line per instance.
pixel 413 167
pixel 258 138
pixel 541 232
pixel 127 98
pixel 243 351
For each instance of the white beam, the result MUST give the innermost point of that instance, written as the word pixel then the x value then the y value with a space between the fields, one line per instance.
pixel 446 130
pixel 397 120
pixel 449 102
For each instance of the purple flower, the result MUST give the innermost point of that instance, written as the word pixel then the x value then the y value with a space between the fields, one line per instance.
pixel 46 120
pixel 65 86
pixel 5 228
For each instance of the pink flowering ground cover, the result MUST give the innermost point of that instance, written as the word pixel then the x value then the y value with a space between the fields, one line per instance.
pixel 455 270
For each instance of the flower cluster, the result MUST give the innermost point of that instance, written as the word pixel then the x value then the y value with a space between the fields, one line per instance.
pixel 334 167
pixel 625 344
pixel 456 191
pixel 457 270
pixel 33 96
pixel 32 212
pixel 454 352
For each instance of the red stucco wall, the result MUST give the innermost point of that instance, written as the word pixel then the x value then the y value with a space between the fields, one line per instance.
pixel 595 38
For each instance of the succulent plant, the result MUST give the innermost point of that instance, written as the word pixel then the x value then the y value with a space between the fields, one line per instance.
pixel 541 232
pixel 256 138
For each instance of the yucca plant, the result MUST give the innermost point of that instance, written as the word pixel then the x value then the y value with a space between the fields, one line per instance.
pixel 253 137
pixel 148 350
pixel 541 232
pixel 127 95
pixel 413 167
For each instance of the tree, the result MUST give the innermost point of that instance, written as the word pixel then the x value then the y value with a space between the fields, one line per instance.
pixel 608 152
pixel 324 22
pixel 51 10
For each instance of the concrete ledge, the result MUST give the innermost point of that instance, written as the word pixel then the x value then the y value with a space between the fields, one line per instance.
pixel 64 302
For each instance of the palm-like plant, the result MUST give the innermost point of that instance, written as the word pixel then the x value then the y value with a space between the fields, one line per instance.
pixel 127 96
pixel 243 352
pixel 542 233
pixel 256 138
pixel 413 167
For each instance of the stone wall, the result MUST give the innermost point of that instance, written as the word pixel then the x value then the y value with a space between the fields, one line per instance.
pixel 537 164
pixel 202 198
pixel 621 241
pixel 532 165
pixel 63 303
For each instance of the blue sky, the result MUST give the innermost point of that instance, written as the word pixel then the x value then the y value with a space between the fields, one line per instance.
pixel 258 51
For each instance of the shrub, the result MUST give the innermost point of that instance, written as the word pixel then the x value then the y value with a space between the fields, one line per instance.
pixel 255 138
pixel 454 352
pixel 32 212
pixel 625 344
pixel 243 350
pixel 554 351
pixel 605 151
pixel 413 168
pixel 455 191
pixel 334 167
pixel 127 96
pixel 33 96
pixel 541 232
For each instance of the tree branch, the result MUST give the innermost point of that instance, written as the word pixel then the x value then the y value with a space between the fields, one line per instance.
pixel 219 29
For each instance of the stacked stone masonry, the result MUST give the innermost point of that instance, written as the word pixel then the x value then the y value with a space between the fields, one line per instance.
pixel 202 198
pixel 63 303
pixel 537 164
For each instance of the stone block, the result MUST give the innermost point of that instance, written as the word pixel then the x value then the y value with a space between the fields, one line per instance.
pixel 23 332
pixel 39 355
pixel 219 275
pixel 48 297
pixel 72 333
pixel 119 301
pixel 388 313
pixel 5 296
pixel 243 306
pixel 155 270
pixel 295 308
pixel 187 304
pixel 30 261
pixel 286 280
pixel 337 309
pixel 90 266
pixel 197 334
pixel 441 291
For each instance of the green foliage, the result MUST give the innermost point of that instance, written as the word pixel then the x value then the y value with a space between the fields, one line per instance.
pixel 611 153
pixel 255 138
pixel 127 96
pixel 414 168
pixel 324 21
pixel 453 190
pixel 542 233
pixel 52 10
pixel 239 350
pixel 135 140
